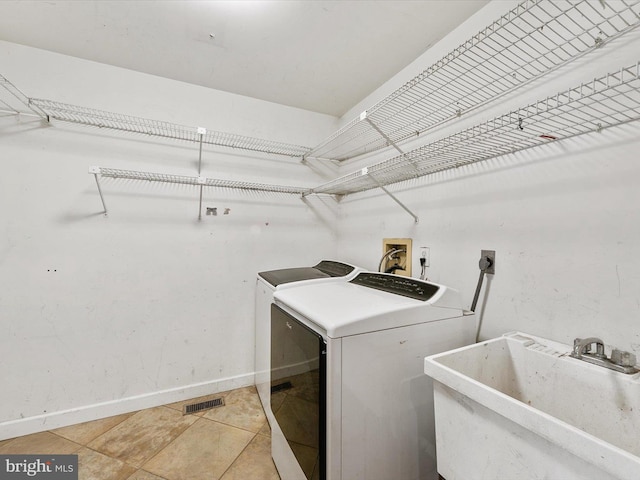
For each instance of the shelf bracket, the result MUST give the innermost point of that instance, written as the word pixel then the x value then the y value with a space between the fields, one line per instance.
pixel 201 133
pixel 96 171
pixel 365 171
pixel 363 116
pixel 382 134
pixel 201 181
pixel 26 101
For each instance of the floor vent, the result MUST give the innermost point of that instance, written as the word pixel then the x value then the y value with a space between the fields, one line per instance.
pixel 198 407
pixel 281 386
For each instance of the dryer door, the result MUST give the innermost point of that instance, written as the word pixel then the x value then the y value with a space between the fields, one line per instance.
pixel 298 390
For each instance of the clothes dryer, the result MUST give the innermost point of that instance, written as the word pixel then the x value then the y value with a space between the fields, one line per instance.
pixel 266 284
pixel 349 394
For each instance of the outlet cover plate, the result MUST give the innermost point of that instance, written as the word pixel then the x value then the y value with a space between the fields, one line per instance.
pixel 492 256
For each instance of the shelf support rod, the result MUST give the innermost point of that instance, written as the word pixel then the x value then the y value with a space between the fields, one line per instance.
pixel 393 144
pixel 95 171
pixel 201 132
pixel 393 197
pixel 200 181
pixel 383 135
pixel 26 101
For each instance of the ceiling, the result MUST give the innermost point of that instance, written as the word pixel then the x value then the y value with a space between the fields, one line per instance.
pixel 319 55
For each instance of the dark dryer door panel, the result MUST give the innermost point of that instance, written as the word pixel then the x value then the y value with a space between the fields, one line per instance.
pixel 298 389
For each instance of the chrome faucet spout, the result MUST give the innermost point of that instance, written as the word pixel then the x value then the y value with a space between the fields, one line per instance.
pixel 620 361
pixel 583 345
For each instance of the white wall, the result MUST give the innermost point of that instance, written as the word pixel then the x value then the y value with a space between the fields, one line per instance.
pixel 564 218
pixel 146 305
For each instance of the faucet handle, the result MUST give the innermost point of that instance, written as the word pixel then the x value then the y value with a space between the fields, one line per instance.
pixel 622 358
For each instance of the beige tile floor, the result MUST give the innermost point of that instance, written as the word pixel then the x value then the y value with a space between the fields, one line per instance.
pixel 231 442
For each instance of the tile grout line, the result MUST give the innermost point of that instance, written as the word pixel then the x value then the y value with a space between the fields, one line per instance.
pixel 204 418
pixel 145 471
pixel 141 467
pixel 238 456
pixel 86 445
pixel 102 453
pixel 103 433
pixel 9 441
pixel 234 426
pixel 185 431
pixel 167 446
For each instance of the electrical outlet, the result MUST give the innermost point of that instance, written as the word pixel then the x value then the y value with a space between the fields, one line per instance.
pixel 426 254
pixel 398 262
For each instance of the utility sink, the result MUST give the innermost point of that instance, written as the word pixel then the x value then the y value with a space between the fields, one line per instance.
pixel 519 407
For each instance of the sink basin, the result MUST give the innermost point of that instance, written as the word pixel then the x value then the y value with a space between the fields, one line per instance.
pixel 519 407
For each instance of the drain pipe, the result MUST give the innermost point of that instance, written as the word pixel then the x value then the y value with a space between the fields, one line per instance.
pixel 487 264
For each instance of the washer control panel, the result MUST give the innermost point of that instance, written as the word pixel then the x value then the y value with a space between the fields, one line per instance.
pixel 405 286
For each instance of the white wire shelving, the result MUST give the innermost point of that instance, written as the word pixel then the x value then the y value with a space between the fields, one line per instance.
pixel 606 101
pixel 103 119
pixel 194 180
pixel 16 100
pixel 529 41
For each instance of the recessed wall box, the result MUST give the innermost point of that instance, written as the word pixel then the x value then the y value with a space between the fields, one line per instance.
pixel 396 256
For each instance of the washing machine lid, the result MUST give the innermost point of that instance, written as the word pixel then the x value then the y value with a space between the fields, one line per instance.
pixel 324 269
pixel 370 302
pixel 336 269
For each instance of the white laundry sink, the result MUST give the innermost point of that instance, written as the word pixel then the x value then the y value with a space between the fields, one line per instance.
pixel 519 407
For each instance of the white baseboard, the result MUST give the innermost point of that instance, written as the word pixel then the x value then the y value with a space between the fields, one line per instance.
pixel 87 413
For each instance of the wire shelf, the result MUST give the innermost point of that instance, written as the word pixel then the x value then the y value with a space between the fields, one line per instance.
pixel 526 43
pixel 529 41
pixel 194 180
pixel 606 101
pixel 102 119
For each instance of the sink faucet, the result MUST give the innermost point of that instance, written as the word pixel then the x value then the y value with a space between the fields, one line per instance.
pixel 583 345
pixel 620 361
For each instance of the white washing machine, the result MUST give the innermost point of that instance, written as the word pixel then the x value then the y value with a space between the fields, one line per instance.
pixel 349 394
pixel 266 284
